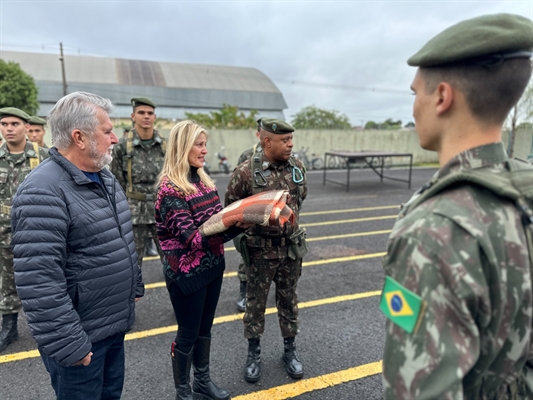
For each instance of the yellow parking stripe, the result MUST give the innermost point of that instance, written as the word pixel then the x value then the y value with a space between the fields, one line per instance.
pixel 219 320
pixel 305 214
pixel 347 221
pixel 304 264
pixel 312 384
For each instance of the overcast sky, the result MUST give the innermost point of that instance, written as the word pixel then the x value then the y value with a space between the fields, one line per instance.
pixel 348 56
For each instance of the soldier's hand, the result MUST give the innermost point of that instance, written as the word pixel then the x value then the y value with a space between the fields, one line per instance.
pixel 85 360
pixel 137 299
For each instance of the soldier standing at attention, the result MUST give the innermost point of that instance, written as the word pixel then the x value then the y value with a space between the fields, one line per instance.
pixel 137 161
pixel 17 158
pixel 269 251
pixel 36 131
pixel 457 263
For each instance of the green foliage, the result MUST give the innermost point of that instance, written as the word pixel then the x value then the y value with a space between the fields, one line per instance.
pixel 409 125
pixel 228 117
pixel 312 117
pixel 17 88
pixel 388 124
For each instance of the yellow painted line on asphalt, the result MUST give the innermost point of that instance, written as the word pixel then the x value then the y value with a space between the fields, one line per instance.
pixel 304 264
pixel 347 221
pixel 305 214
pixel 219 320
pixel 313 384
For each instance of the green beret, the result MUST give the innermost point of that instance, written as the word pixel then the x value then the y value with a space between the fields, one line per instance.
pixel 482 40
pixel 142 101
pixel 14 112
pixel 35 120
pixel 274 125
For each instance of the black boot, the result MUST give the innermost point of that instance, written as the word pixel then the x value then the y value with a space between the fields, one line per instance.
pixel 9 331
pixel 203 387
pixel 241 304
pixel 151 249
pixel 252 371
pixel 181 367
pixel 293 366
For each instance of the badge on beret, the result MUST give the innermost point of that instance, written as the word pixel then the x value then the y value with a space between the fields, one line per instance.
pixel 401 306
pixel 274 127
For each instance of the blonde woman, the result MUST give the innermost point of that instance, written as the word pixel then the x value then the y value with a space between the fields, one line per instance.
pixel 193 265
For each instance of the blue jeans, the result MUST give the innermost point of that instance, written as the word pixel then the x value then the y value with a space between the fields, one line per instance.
pixel 102 379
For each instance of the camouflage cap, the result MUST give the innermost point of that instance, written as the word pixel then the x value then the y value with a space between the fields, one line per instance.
pixel 35 120
pixel 274 125
pixel 142 101
pixel 487 39
pixel 14 112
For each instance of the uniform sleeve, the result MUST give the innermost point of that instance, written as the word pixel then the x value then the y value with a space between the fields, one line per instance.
pixel 432 362
pixel 39 246
pixel 239 186
pixel 116 165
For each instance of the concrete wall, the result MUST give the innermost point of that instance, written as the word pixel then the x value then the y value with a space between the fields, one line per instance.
pixel 320 141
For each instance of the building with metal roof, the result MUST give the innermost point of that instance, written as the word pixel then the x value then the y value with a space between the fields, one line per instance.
pixel 174 87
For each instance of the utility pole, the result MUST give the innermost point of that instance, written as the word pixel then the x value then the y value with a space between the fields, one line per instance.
pixel 62 59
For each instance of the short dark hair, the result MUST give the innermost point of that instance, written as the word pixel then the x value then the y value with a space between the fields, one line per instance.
pixel 490 91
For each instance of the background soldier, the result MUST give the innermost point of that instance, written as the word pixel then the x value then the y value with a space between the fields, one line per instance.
pixel 36 131
pixel 268 252
pixel 137 161
pixel 17 158
pixel 241 302
pixel 458 289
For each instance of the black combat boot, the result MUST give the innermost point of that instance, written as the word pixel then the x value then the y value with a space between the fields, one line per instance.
pixel 151 249
pixel 203 387
pixel 9 331
pixel 241 304
pixel 293 366
pixel 252 370
pixel 181 367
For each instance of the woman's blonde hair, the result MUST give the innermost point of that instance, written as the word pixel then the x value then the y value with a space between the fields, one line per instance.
pixel 176 166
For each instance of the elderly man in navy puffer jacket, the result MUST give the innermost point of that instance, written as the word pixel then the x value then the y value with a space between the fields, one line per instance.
pixel 75 263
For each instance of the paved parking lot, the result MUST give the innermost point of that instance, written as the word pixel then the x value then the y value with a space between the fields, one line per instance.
pixel 342 329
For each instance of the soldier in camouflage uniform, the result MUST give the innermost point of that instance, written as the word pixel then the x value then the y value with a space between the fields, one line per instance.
pixel 36 131
pixel 143 156
pixel 241 269
pixel 268 248
pixel 17 158
pixel 463 252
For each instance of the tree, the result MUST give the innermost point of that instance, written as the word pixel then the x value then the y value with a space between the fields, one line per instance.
pixel 388 124
pixel 312 117
pixel 519 116
pixel 410 124
pixel 17 88
pixel 227 117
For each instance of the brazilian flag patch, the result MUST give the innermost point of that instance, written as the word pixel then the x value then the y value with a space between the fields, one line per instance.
pixel 401 306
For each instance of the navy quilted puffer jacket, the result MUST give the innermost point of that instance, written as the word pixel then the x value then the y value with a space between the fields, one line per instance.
pixel 75 262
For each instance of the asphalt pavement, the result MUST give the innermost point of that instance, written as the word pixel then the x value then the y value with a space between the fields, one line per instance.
pixel 341 328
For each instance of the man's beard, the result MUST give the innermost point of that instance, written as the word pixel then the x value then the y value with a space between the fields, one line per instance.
pixel 100 160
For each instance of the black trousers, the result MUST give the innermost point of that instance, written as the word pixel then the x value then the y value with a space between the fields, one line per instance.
pixel 194 312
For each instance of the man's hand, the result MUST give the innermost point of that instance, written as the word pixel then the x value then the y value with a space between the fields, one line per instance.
pixel 85 360
pixel 137 299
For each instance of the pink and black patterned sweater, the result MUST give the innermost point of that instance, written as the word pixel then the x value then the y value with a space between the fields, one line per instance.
pixel 190 260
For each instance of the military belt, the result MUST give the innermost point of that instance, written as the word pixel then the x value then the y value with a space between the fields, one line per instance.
pixel 5 209
pixel 140 196
pixel 258 241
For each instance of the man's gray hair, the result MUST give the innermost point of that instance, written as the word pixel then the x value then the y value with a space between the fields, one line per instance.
pixel 75 111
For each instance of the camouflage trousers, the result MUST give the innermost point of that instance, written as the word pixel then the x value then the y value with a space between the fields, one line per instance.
pixel 142 235
pixel 9 299
pixel 284 272
pixel 241 271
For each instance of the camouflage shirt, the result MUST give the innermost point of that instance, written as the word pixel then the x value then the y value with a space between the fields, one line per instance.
pixel 277 176
pixel 13 171
pixel 146 164
pixel 465 253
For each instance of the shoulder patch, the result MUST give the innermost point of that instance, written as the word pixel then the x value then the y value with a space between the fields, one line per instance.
pixel 401 306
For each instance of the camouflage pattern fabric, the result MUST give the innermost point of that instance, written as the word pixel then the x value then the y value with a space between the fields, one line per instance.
pixel 465 253
pixel 262 271
pixel 270 263
pixel 12 172
pixel 241 271
pixel 146 164
pixel 246 154
pixel 141 235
